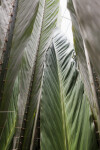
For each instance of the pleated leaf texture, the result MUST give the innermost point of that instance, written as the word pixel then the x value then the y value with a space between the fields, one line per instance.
pixel 79 49
pixel 90 27
pixel 22 69
pixel 66 121
pixel 83 64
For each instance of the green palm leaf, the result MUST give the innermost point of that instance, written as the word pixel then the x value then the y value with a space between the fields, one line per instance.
pixel 10 120
pixel 30 41
pixel 83 65
pixel 90 28
pixel 79 49
pixel 66 119
pixel 16 46
pixel 43 28
pixel 5 10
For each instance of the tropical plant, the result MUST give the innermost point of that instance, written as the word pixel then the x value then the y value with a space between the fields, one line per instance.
pixel 65 116
pixel 39 78
pixel 22 66
pixel 88 71
pixel 90 27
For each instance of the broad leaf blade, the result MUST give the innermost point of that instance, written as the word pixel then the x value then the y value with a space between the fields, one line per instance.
pixel 10 120
pixel 79 48
pixel 83 65
pixel 43 28
pixel 63 98
pixel 90 27
pixel 22 34
pixel 5 12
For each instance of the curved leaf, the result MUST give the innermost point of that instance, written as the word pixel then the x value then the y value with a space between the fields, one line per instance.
pixel 90 28
pixel 43 28
pixel 83 65
pixel 79 49
pixel 66 119
pixel 22 34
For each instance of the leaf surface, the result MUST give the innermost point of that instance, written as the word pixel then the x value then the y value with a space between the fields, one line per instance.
pixel 66 119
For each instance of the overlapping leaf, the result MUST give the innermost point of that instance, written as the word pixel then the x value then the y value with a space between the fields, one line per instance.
pixel 79 48
pixel 5 12
pixel 87 12
pixel 66 120
pixel 43 28
pixel 22 32
pixel 82 62
pixel 10 121
pixel 30 41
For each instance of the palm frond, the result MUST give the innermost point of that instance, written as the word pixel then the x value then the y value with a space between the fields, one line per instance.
pixel 21 35
pixel 66 118
pixel 90 28
pixel 44 25
pixel 85 66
